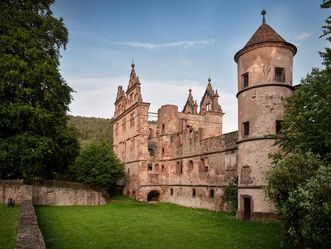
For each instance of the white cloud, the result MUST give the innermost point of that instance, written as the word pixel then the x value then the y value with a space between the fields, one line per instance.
pixel 303 36
pixel 176 44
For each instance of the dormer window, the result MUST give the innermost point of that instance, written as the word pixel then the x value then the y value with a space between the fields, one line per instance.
pixel 279 74
pixel 245 80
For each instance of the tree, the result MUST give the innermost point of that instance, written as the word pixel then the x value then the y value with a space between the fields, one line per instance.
pixel 326 32
pixel 97 165
pixel 34 137
pixel 306 126
pixel 299 183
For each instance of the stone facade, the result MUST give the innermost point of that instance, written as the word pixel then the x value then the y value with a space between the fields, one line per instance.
pixel 49 195
pixel 183 157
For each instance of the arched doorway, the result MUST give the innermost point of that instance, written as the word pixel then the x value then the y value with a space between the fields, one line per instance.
pixel 153 196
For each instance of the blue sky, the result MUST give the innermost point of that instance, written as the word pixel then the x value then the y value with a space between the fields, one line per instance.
pixel 175 44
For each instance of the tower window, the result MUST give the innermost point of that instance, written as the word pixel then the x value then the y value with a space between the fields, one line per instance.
pixel 278 126
pixel 246 128
pixel 279 74
pixel 149 166
pixel 171 191
pixel 245 79
pixel 193 193
pixel 163 128
pixel 208 107
pixel 211 193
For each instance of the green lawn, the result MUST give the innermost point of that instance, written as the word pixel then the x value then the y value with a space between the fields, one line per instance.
pixel 8 226
pixel 125 223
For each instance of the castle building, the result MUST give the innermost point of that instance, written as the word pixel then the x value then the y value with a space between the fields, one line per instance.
pixel 184 157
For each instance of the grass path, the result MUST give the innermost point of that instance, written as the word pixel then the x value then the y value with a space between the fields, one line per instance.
pixel 125 223
pixel 8 226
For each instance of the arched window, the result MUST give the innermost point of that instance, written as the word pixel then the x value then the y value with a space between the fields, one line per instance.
pixel 190 165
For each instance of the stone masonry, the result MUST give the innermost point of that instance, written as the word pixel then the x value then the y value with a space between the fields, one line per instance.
pixel 183 157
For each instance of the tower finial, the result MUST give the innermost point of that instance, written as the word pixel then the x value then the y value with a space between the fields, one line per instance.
pixel 132 64
pixel 209 79
pixel 263 12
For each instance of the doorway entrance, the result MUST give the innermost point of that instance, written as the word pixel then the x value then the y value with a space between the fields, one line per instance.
pixel 153 196
pixel 247 208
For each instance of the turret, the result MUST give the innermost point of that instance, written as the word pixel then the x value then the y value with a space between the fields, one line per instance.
pixel 264 81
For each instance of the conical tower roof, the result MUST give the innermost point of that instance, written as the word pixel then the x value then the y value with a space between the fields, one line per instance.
pixel 265 36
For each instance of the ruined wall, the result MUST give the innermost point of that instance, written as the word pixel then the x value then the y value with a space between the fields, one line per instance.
pixel 47 195
pixel 204 166
pixel 15 189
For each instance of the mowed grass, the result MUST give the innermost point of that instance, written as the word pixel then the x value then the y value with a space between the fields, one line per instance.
pixel 125 223
pixel 8 226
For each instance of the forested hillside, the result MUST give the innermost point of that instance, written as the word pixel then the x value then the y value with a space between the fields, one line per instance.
pixel 92 129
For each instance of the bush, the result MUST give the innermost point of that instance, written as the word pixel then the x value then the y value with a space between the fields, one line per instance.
pixel 97 165
pixel 300 187
pixel 230 196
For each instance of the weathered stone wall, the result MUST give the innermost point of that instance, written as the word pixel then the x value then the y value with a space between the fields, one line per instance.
pixel 15 189
pixel 49 195
pixel 195 165
pixel 29 235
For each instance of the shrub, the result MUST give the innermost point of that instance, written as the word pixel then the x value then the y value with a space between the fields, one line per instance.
pixel 97 165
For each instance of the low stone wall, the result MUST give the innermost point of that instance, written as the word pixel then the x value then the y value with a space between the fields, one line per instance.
pixel 50 195
pixel 29 235
pixel 15 189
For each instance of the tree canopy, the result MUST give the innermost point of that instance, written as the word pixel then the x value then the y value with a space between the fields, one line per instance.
pixel 299 183
pixel 92 129
pixel 97 165
pixel 34 137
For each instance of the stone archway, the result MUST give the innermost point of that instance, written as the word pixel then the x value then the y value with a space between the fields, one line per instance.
pixel 154 195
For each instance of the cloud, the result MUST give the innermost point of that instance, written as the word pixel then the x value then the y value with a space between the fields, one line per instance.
pixel 303 36
pixel 176 44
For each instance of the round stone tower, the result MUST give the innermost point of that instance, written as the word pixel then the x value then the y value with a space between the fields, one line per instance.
pixel 264 81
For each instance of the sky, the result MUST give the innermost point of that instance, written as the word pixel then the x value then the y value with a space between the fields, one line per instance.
pixel 175 45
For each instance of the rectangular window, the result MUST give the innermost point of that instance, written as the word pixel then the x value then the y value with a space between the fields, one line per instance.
pixel 245 80
pixel 124 124
pixel 211 193
pixel 149 167
pixel 193 193
pixel 132 119
pixel 279 74
pixel 171 191
pixel 246 128
pixel 278 126
pixel 116 129
pixel 162 168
